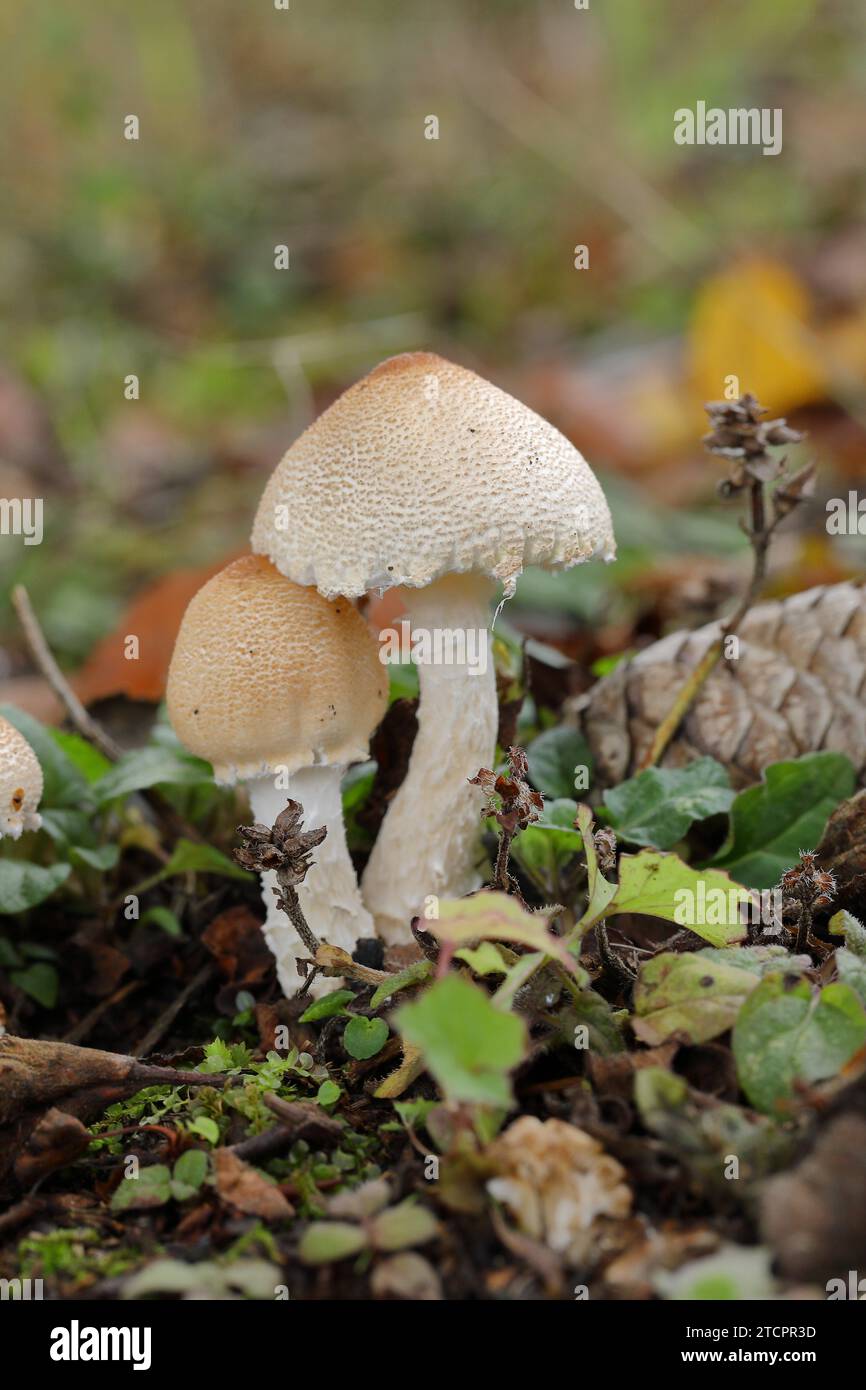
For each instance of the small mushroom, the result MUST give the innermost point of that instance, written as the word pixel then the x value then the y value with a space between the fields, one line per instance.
pixel 427 476
pixel 281 688
pixel 20 783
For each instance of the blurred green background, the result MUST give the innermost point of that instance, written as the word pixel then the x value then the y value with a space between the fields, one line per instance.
pixel 306 127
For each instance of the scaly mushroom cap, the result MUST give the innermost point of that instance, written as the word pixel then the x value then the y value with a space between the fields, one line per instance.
pixel 266 674
pixel 423 469
pixel 20 783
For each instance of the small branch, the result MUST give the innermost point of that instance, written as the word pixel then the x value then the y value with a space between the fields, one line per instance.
pixel 742 427
pixel 167 1017
pixel 45 662
pixel 84 722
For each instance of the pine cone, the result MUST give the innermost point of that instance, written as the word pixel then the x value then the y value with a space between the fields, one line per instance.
pixel 798 686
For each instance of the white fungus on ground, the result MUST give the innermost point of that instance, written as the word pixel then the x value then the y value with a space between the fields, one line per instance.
pixel 427 476
pixel 281 688
pixel 20 783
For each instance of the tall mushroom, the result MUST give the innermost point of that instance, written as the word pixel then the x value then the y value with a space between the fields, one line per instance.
pixel 20 783
pixel 427 476
pixel 281 688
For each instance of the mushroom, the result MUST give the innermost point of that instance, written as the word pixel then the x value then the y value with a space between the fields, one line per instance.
pixel 281 688
pixel 427 476
pixel 20 783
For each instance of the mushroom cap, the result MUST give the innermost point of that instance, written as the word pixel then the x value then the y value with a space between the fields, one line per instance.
pixel 422 469
pixel 266 675
pixel 20 783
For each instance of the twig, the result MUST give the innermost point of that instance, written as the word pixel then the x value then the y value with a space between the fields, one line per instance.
pixel 84 722
pixel 739 424
pixel 167 1017
pixel 44 659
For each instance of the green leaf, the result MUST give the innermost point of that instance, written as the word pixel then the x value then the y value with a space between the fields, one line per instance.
pixel 786 1033
pixel 853 930
pixel 494 916
pixel 152 1188
pixel 328 1093
pixel 661 885
pixel 787 812
pixel 24 885
pixel 364 1037
pixel 413 974
pixel 544 849
pixel 327 1241
pixel 64 785
pixel 40 981
pixel 164 918
pixel 485 959
pixel 103 857
pixel 657 807
pixel 468 1045
pixel 553 758
pixel 402 1226
pixel 328 1006
pixel 593 1012
pixel 150 767
pixel 206 1127
pixel 738 1273
pixel 89 761
pixel 189 857
pixel 698 994
pixel 851 958
pixel 705 1132
pixel 189 1173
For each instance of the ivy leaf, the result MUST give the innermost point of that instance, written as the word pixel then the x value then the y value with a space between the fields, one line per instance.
pixel 553 758
pixel 494 916
pixel 787 812
pixel 364 1037
pixel 787 1033
pixel 661 885
pixel 151 767
pixel 698 994
pixel 152 1188
pixel 657 806
pixel 24 885
pixel 468 1045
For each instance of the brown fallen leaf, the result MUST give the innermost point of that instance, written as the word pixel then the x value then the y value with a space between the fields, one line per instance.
pixel 245 1188
pixel 797 686
pixel 153 617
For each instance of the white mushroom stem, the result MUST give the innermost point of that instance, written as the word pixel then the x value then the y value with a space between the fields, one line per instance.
pixel 429 842
pixel 329 895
